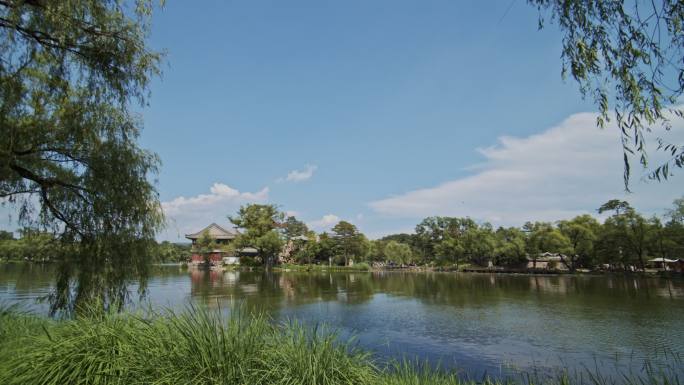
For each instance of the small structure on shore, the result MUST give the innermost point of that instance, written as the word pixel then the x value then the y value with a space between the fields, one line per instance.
pixel 667 264
pixel 217 256
pixel 547 261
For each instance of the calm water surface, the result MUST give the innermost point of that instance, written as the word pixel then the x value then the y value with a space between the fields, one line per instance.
pixel 477 322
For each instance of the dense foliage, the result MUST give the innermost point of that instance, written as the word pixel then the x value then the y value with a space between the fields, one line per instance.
pixel 625 240
pixel 167 252
pixel 34 246
pixel 260 225
pixel 69 158
pixel 31 246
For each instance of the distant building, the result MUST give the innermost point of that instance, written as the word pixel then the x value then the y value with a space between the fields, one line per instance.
pixel 547 261
pixel 221 236
pixel 667 264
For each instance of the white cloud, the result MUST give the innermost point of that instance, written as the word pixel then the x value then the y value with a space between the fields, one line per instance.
pixel 566 170
pixel 300 175
pixel 326 222
pixel 187 215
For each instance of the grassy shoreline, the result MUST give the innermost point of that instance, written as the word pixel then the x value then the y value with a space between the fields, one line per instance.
pixel 200 346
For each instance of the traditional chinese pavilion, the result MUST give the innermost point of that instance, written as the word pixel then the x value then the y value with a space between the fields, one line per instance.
pixel 221 236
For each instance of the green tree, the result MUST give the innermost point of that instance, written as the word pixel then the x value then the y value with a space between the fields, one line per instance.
pixel 325 250
pixel 626 55
pixel 412 240
pixel 625 236
pixel 269 245
pixel 294 228
pixel 673 231
pixel 6 236
pixel 33 246
pixel 542 237
pixel 581 234
pixel 450 249
pixel 478 244
pixel 615 205
pixel 676 213
pixel 376 253
pixel 674 236
pixel 399 253
pixel 205 245
pixel 364 248
pixel 71 72
pixel 258 219
pixel 172 252
pixel 349 242
pixel 660 242
pixel 306 251
pixel 260 224
pixel 433 230
pixel 510 246
pixel 637 232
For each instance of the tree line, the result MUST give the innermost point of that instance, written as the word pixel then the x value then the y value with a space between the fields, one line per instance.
pixel 626 239
pixel 44 247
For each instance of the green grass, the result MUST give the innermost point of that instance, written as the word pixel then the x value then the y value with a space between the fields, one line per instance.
pixel 200 346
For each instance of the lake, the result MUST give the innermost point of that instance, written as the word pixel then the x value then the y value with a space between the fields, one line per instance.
pixel 479 323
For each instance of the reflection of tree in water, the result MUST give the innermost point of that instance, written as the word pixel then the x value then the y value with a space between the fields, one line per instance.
pixel 274 290
pixel 270 291
pixel 27 277
pixel 489 289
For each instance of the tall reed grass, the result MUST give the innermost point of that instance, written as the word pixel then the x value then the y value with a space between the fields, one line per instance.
pixel 200 346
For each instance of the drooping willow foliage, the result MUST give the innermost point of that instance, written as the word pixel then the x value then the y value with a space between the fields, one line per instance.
pixel 628 56
pixel 69 158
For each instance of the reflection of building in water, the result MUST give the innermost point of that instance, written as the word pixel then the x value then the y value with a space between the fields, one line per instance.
pixel 286 286
pixel 231 277
pixel 556 285
pixel 213 277
pixel 670 291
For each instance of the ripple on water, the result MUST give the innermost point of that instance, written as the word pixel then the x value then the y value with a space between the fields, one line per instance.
pixel 473 321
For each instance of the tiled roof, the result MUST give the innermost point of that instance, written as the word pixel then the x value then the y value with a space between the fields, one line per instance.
pixel 215 231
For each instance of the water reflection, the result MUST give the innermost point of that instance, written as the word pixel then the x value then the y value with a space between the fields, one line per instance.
pixel 475 321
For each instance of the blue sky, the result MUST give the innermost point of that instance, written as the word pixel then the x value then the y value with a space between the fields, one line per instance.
pixel 382 112
pixel 373 102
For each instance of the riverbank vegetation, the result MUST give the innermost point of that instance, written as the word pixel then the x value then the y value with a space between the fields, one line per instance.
pixel 201 346
pixel 625 241
pixel 43 247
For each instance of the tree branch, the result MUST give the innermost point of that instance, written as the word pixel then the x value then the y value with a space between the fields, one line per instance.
pixel 43 182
